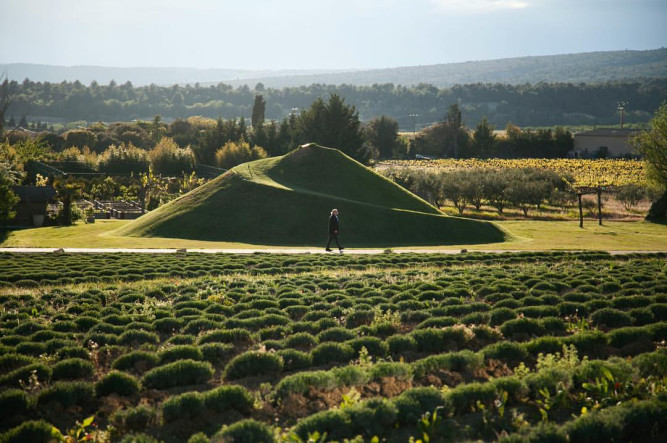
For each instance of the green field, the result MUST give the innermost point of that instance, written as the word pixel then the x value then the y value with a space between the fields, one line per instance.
pixel 534 346
pixel 523 235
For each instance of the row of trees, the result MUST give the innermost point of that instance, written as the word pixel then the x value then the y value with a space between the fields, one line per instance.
pixel 330 123
pixel 520 188
pixel 542 104
pixel 451 138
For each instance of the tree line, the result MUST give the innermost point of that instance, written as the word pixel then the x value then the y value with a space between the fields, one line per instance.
pixel 541 104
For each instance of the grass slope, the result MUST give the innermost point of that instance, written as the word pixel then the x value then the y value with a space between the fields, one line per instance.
pixel 287 200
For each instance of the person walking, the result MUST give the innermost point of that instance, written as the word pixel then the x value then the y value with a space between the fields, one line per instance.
pixel 333 230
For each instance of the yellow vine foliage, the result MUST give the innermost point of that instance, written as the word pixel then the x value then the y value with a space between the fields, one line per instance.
pixel 586 173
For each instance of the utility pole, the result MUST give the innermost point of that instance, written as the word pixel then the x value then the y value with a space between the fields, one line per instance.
pixel 621 109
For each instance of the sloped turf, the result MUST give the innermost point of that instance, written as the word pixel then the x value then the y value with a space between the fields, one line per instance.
pixel 287 200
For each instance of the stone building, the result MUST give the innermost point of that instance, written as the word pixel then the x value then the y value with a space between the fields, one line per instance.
pixel 604 142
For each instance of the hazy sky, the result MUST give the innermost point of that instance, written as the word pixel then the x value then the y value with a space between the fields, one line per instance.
pixel 318 34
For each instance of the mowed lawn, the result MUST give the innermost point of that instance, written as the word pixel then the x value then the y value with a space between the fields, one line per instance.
pixel 527 235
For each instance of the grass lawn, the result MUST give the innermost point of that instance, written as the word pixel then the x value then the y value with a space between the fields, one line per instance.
pixel 528 235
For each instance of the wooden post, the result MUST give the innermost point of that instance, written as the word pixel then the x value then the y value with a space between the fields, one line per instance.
pixel 581 211
pixel 599 190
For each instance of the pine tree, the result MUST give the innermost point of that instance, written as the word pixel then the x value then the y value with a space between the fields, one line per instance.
pixel 258 109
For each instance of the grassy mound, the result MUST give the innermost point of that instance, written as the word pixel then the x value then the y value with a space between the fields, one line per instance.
pixel 287 200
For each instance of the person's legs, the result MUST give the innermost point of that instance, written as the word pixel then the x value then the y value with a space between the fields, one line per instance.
pixel 329 242
pixel 337 244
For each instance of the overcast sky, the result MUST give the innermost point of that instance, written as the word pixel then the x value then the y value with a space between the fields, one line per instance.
pixel 318 34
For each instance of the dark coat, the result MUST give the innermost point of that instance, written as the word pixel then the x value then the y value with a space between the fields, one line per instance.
pixel 333 224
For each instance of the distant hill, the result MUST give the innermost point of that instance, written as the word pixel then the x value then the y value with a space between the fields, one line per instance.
pixel 140 76
pixel 286 201
pixel 588 67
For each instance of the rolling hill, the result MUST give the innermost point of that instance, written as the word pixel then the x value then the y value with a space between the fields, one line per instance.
pixel 286 201
pixel 590 67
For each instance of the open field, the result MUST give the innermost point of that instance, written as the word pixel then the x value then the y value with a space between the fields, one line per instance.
pixel 524 234
pixel 269 347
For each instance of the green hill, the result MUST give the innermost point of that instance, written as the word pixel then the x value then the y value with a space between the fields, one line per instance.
pixel 287 200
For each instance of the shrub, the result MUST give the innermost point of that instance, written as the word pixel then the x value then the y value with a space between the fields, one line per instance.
pixel 29 348
pixel 253 363
pixel 137 361
pixel 413 403
pixel 67 394
pixel 463 397
pixel 168 325
pixel 301 340
pixel 336 423
pixel 501 315
pixel 178 373
pixel 374 346
pixel 246 431
pixel 548 378
pixel 631 341
pixel 73 352
pixel 33 431
pixel 437 322
pixel 14 402
pixel 399 344
pixel 454 361
pixel 134 419
pixel 358 318
pixel 506 351
pixel 522 329
pixel 225 398
pixel 139 438
pixel 350 375
pixel 180 352
pixel 592 344
pixel 216 353
pixel 72 368
pixel 332 353
pixel 301 382
pixel 236 336
pixel 611 318
pixel 184 406
pixel 24 373
pixel 10 362
pixel 544 345
pixel 293 359
pixel 337 334
pixel 116 383
pixel 372 418
pixel 138 337
pixel 652 363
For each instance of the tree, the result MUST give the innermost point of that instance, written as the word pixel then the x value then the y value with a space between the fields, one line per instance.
pixel 483 139
pixel 5 100
pixel 68 189
pixel 8 199
pixel 235 153
pixel 652 144
pixel 258 109
pixel 170 160
pixel 454 125
pixel 334 125
pixel 382 135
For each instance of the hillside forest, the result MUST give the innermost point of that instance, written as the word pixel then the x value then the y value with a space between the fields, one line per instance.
pixel 413 107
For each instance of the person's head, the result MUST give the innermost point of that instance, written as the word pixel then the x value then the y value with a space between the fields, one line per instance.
pixel 334 212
